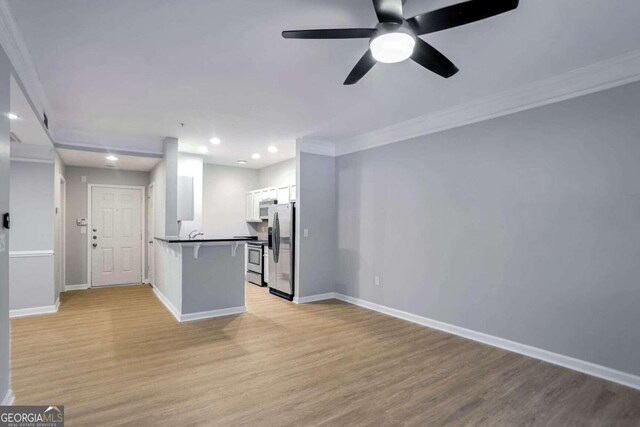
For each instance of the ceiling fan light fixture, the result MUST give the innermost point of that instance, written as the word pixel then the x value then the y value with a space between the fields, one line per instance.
pixel 393 47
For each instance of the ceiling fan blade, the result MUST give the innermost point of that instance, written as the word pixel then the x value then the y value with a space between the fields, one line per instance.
pixel 343 33
pixel 362 67
pixel 389 10
pixel 431 59
pixel 459 14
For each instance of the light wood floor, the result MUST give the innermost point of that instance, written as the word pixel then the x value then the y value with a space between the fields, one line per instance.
pixel 117 357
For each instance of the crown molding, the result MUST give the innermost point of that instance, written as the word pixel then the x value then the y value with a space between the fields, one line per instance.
pixel 596 77
pixel 316 146
pixel 25 70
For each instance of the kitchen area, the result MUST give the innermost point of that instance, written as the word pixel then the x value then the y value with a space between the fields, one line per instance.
pixel 236 229
pixel 270 255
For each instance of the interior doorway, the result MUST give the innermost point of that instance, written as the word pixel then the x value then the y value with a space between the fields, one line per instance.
pixel 150 233
pixel 115 238
pixel 61 234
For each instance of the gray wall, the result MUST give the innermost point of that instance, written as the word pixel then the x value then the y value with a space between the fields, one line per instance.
pixel 31 279
pixel 32 206
pixel 76 263
pixel 5 72
pixel 316 208
pixel 282 173
pixel 171 187
pixel 202 291
pixel 526 227
pixel 223 202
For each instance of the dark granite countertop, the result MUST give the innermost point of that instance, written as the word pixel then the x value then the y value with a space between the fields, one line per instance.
pixel 205 240
pixel 258 242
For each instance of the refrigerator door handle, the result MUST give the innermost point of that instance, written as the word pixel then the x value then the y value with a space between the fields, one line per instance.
pixel 276 237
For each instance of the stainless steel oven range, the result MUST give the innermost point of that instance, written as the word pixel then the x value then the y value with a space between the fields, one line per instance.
pixel 255 263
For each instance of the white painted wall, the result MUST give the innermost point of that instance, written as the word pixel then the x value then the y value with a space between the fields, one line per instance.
pixel 158 179
pixel 192 165
pixel 224 200
pixel 283 173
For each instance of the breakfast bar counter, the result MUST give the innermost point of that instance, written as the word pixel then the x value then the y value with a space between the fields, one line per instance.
pixel 200 278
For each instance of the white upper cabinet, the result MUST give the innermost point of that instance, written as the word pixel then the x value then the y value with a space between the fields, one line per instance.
pixel 283 193
pixel 256 205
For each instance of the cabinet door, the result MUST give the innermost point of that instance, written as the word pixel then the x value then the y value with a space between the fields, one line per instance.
pixel 292 193
pixel 256 206
pixel 283 194
pixel 273 193
pixel 248 212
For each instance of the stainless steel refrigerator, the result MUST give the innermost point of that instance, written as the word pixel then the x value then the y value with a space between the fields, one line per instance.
pixel 282 250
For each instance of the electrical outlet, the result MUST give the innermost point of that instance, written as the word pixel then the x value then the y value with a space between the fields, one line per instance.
pixel 376 280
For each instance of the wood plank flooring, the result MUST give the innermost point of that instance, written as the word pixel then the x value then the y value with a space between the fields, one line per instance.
pixel 117 357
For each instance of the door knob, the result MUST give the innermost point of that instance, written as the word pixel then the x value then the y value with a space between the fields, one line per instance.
pixel 95 237
pixel 95 245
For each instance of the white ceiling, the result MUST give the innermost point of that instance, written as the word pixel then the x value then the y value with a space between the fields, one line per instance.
pixel 98 160
pixel 126 73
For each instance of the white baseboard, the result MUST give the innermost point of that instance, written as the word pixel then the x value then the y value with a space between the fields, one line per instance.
pixel 34 311
pixel 68 288
pixel 589 368
pixel 9 398
pixel 313 298
pixel 164 300
pixel 192 317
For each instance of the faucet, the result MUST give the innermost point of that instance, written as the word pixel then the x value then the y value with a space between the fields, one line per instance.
pixel 195 234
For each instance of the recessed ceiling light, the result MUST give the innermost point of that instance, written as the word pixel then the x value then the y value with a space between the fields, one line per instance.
pixel 203 150
pixel 255 156
pixel 215 141
pixel 272 149
pixel 112 158
pixel 13 116
pixel 242 162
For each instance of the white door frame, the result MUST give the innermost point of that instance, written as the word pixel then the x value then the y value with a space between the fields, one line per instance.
pixel 143 224
pixel 152 214
pixel 62 257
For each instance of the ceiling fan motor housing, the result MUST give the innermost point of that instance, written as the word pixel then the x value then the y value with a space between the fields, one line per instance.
pixel 392 27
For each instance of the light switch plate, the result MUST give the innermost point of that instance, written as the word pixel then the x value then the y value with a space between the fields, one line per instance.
pixel 305 233
pixel 83 230
pixel 3 244
pixel 83 179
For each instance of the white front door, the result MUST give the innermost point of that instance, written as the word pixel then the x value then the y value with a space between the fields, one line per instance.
pixel 116 236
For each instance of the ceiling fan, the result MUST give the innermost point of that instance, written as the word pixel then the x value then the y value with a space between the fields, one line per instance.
pixel 395 39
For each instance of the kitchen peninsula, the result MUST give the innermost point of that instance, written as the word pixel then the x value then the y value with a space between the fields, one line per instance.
pixel 200 278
